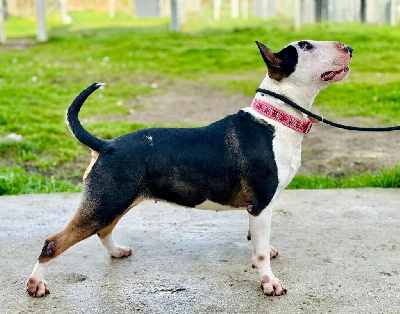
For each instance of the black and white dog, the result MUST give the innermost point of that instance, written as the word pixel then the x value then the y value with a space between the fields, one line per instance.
pixel 241 161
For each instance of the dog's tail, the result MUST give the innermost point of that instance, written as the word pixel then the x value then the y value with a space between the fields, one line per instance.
pixel 75 125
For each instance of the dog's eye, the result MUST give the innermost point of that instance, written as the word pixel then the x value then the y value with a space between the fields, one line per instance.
pixel 305 45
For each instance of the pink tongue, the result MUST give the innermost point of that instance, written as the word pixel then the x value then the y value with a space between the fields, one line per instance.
pixel 329 75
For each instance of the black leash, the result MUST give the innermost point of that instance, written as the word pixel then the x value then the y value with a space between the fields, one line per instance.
pixel 319 118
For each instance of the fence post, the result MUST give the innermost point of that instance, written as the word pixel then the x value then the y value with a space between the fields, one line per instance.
pixel 3 38
pixel 176 16
pixel 217 9
pixel 41 21
pixel 5 10
pixel 65 18
pixel 297 12
pixel 234 9
pixel 393 13
pixel 264 9
pixel 111 8
pixel 245 9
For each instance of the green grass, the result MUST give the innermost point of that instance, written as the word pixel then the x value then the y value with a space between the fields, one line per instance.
pixel 17 181
pixel 385 178
pixel 38 83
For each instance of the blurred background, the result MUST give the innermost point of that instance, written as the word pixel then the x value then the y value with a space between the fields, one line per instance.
pixel 181 11
pixel 187 63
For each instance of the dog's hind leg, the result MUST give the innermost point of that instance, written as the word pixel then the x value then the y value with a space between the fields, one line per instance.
pixel 79 228
pixel 107 240
pixel 94 214
pixel 273 252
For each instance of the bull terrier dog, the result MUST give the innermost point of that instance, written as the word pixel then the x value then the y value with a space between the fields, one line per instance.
pixel 242 161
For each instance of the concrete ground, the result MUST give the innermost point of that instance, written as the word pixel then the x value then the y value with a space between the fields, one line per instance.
pixel 339 252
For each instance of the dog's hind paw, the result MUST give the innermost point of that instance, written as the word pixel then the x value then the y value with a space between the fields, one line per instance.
pixel 120 251
pixel 37 288
pixel 273 252
pixel 272 286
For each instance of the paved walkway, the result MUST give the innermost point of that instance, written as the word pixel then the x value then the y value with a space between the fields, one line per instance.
pixel 339 252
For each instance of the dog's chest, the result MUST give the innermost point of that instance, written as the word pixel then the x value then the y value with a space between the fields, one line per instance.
pixel 287 152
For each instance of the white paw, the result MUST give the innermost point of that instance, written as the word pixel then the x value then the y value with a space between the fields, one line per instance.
pixel 37 288
pixel 272 286
pixel 273 252
pixel 120 251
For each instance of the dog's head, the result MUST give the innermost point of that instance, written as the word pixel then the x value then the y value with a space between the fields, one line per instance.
pixel 307 61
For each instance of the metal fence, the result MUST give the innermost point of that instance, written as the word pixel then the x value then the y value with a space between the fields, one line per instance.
pixel 306 11
pixel 256 7
pixel 27 7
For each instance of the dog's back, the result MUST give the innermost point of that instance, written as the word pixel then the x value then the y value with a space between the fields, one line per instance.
pixel 227 162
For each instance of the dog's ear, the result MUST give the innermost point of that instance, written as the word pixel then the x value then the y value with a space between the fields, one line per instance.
pixel 281 64
pixel 269 57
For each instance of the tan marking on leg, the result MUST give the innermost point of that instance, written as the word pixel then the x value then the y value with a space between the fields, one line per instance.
pixel 243 196
pixel 107 230
pixel 95 155
pixel 78 229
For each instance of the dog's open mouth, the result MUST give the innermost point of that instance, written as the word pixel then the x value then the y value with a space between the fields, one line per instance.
pixel 329 75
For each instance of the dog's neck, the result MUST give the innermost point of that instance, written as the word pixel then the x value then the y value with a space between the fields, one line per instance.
pixel 302 95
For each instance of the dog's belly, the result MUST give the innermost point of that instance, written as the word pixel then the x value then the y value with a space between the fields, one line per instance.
pixel 209 205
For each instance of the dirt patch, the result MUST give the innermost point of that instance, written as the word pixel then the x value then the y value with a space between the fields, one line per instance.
pixel 326 150
pixel 180 103
pixel 18 44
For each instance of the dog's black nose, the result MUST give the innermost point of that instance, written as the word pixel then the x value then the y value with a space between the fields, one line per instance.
pixel 348 49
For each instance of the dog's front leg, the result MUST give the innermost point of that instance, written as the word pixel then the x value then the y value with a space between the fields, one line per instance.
pixel 260 232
